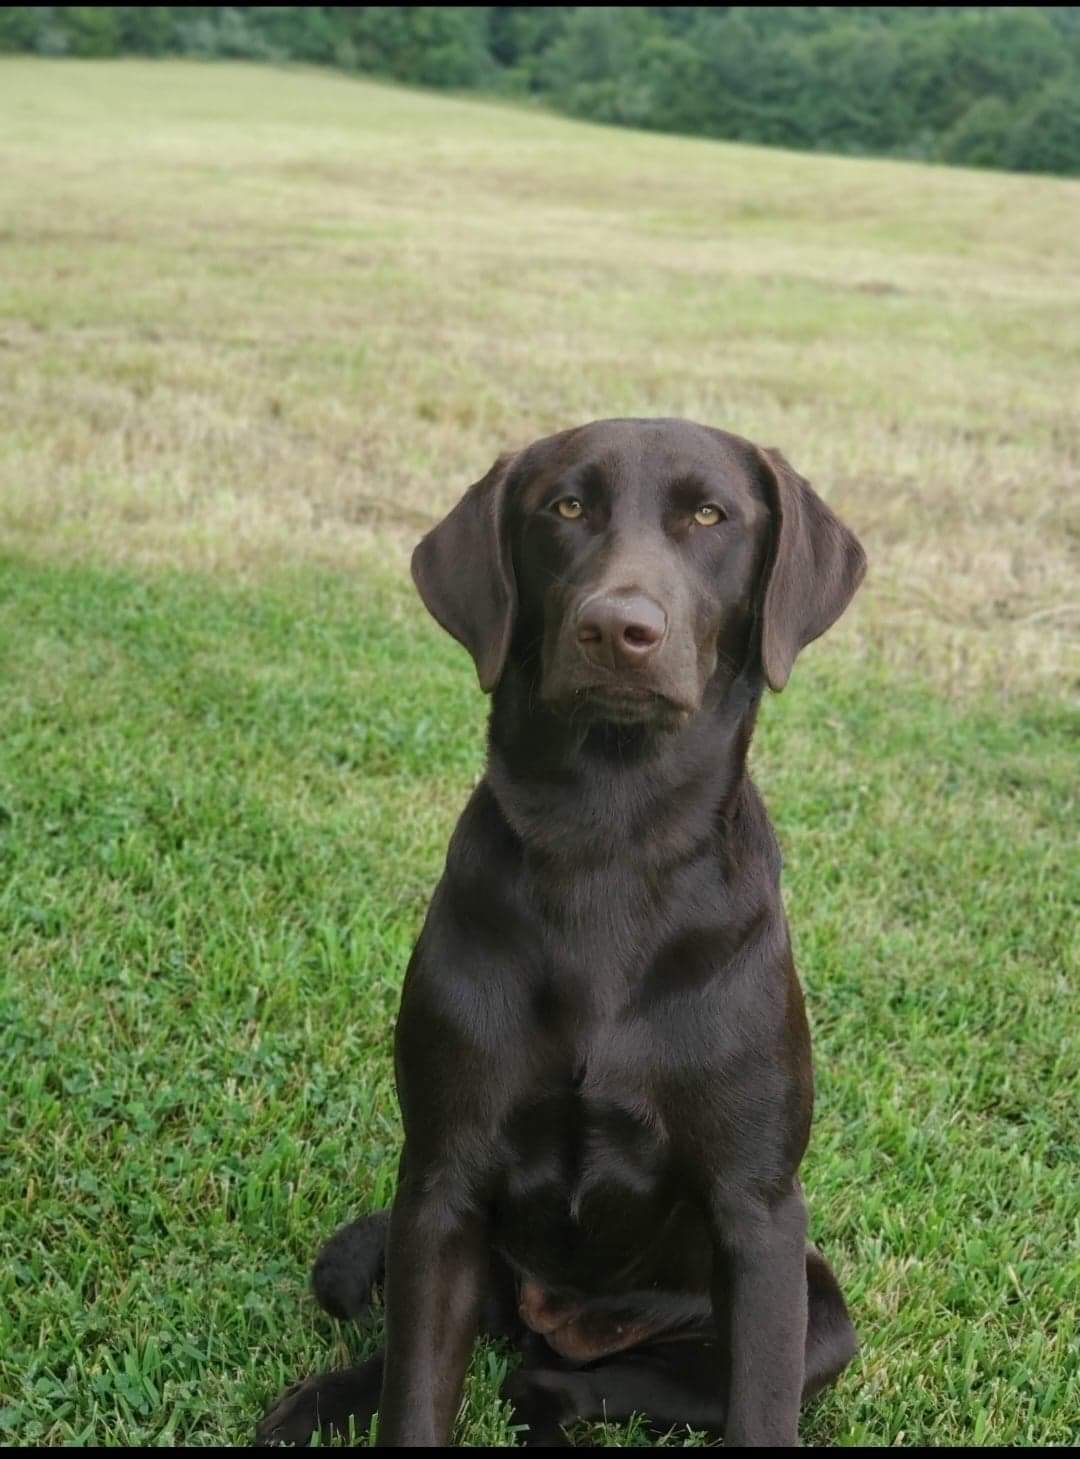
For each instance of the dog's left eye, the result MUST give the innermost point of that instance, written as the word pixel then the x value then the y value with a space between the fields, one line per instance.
pixel 569 507
pixel 708 515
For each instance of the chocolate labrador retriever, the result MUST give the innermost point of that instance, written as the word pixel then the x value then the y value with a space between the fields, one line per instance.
pixel 602 1056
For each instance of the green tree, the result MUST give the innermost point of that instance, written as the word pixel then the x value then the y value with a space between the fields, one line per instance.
pixel 990 86
pixel 148 30
pixel 300 32
pixel 20 25
pixel 1047 133
pixel 593 67
pixel 88 30
pixel 983 135
pixel 434 45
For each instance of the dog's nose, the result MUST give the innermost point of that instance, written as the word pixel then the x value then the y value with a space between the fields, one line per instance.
pixel 621 630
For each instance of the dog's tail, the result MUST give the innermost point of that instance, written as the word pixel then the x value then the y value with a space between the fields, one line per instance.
pixel 350 1265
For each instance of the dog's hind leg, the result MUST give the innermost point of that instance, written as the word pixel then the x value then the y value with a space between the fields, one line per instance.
pixel 675 1380
pixel 350 1265
pixel 329 1403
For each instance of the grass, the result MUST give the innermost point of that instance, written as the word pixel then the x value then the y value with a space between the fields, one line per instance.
pixel 256 329
pixel 223 813
pixel 251 314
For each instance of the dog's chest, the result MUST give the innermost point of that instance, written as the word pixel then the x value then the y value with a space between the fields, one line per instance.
pixel 586 1181
pixel 587 1165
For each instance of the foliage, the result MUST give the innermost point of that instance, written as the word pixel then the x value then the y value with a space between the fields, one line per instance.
pixel 986 86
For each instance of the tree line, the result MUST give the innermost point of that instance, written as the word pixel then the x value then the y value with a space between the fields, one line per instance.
pixel 981 86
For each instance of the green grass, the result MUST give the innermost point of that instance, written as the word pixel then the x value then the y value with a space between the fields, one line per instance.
pixel 222 814
pixel 258 327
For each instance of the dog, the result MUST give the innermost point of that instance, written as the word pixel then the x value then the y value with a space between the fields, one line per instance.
pixel 602 1054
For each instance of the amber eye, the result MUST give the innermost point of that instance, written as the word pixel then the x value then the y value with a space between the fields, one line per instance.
pixel 708 515
pixel 569 507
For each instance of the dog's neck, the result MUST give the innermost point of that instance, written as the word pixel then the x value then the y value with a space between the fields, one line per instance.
pixel 585 790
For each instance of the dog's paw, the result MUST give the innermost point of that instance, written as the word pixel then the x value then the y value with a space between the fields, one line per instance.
pixel 293 1419
pixel 539 1403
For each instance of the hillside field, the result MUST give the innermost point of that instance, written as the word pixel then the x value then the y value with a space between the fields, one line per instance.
pixel 259 328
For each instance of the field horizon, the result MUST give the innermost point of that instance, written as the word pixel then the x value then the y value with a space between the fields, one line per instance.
pixel 259 328
pixel 351 296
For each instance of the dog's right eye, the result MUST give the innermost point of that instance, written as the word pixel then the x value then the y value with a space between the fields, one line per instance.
pixel 569 507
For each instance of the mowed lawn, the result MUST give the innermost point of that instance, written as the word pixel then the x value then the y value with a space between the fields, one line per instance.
pixel 258 328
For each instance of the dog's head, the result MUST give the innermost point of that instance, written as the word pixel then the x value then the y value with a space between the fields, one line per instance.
pixel 626 563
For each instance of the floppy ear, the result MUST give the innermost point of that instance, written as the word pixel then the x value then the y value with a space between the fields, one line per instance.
pixel 817 564
pixel 463 572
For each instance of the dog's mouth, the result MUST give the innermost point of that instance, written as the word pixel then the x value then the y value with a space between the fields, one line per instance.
pixel 620 703
pixel 658 696
pixel 631 702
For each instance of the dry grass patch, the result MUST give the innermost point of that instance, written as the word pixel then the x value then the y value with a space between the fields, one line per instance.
pixel 250 317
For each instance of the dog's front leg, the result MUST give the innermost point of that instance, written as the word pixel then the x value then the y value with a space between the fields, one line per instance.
pixel 760 1303
pixel 437 1265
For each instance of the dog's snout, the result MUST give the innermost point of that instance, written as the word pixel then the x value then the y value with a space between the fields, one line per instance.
pixel 621 630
